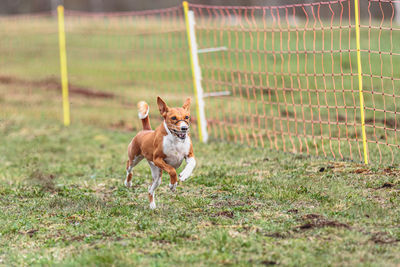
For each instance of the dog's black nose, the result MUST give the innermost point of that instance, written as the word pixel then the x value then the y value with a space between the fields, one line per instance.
pixel 184 128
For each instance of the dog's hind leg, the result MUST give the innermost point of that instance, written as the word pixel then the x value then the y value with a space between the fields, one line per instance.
pixel 128 179
pixel 157 174
pixel 129 166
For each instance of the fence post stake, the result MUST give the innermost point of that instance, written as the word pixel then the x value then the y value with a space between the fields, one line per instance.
pixel 196 73
pixel 63 64
pixel 360 84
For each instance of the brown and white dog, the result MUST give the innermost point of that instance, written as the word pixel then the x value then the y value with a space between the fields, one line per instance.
pixel 163 148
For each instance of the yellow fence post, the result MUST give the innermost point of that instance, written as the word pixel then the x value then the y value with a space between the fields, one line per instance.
pixel 196 73
pixel 360 84
pixel 63 64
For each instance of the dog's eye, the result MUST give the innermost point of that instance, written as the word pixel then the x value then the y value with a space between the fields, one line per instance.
pixel 173 118
pixel 187 117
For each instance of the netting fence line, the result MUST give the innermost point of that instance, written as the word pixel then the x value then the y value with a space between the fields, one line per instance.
pixel 292 76
pixel 279 77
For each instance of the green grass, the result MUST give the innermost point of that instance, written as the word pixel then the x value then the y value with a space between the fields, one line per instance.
pixel 62 198
pixel 63 203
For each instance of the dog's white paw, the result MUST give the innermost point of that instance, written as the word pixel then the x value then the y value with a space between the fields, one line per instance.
pixel 128 184
pixel 183 176
pixel 152 205
pixel 173 186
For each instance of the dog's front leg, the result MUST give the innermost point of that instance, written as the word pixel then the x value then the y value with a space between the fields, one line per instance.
pixel 190 164
pixel 187 171
pixel 160 163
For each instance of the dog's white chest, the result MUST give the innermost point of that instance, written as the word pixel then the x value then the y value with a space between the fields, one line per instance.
pixel 175 150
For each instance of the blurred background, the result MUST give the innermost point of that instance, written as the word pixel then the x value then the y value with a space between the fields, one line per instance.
pixel 33 6
pixel 28 6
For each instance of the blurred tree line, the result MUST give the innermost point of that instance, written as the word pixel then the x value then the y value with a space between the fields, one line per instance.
pixel 32 6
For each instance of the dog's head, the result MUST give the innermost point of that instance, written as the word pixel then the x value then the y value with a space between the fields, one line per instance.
pixel 177 119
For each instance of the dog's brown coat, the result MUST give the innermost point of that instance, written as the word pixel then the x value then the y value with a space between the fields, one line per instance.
pixel 149 143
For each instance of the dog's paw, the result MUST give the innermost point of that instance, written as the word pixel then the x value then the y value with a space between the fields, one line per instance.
pixel 183 176
pixel 152 205
pixel 173 186
pixel 128 184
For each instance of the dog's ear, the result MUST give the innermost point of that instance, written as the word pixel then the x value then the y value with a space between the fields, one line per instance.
pixel 186 105
pixel 162 106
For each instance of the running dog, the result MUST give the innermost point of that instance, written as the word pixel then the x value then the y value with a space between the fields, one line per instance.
pixel 164 148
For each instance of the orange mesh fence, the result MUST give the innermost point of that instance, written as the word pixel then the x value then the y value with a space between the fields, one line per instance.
pixel 278 77
pixel 287 79
pixel 290 72
pixel 380 49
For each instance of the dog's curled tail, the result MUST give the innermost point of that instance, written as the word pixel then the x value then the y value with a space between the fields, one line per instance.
pixel 143 113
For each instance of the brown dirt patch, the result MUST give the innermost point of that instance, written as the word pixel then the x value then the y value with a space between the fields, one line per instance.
pixel 387 171
pixel 293 211
pixel 362 171
pixel 383 238
pixel 391 171
pixel 268 263
pixel 318 221
pixel 5 80
pixel 53 83
pixel 30 232
pixel 386 185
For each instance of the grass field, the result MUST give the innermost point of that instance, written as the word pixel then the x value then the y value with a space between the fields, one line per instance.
pixel 63 201
pixel 62 198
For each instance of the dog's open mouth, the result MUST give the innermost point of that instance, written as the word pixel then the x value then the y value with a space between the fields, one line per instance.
pixel 180 134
